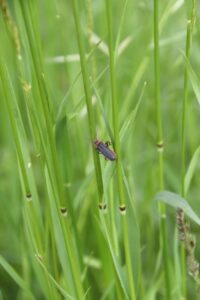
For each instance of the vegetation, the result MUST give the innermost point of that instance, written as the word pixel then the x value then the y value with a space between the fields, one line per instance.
pixel 74 225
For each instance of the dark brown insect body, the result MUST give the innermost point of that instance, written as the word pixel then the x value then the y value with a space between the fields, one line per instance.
pixel 103 148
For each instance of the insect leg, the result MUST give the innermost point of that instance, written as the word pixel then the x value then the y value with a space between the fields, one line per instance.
pixel 108 143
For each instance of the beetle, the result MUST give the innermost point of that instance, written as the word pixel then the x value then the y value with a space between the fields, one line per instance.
pixel 103 148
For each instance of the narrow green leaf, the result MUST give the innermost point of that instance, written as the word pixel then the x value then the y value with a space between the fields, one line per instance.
pixel 107 291
pixel 65 103
pixel 153 290
pixel 121 22
pixel 60 289
pixel 16 277
pixel 137 77
pixel 177 201
pixel 59 235
pixel 133 233
pixel 193 78
pixel 117 267
pixel 100 103
pixel 110 168
pixel 191 169
pixel 131 117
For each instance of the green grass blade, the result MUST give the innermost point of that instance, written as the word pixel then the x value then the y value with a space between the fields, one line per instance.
pixel 191 169
pixel 60 289
pixel 176 201
pixel 15 276
pixel 125 129
pixel 117 267
pixel 120 27
pixel 195 81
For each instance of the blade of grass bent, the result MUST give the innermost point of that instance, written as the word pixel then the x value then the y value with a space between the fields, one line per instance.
pixel 16 277
pixel 191 169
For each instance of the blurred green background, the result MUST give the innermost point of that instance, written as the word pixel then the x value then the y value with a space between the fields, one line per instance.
pixel 57 41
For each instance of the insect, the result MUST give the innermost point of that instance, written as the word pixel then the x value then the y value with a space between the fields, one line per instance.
pixel 103 148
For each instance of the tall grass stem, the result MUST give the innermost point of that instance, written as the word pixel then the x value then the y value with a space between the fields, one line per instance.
pixel 160 148
pixel 190 25
pixel 115 114
pixel 88 98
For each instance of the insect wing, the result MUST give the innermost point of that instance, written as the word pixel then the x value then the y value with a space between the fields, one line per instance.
pixel 103 149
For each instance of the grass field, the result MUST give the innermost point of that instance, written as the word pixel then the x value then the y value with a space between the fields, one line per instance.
pixel 73 224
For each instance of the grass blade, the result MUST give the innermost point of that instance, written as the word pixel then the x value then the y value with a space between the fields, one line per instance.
pixel 190 171
pixel 18 279
pixel 176 201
